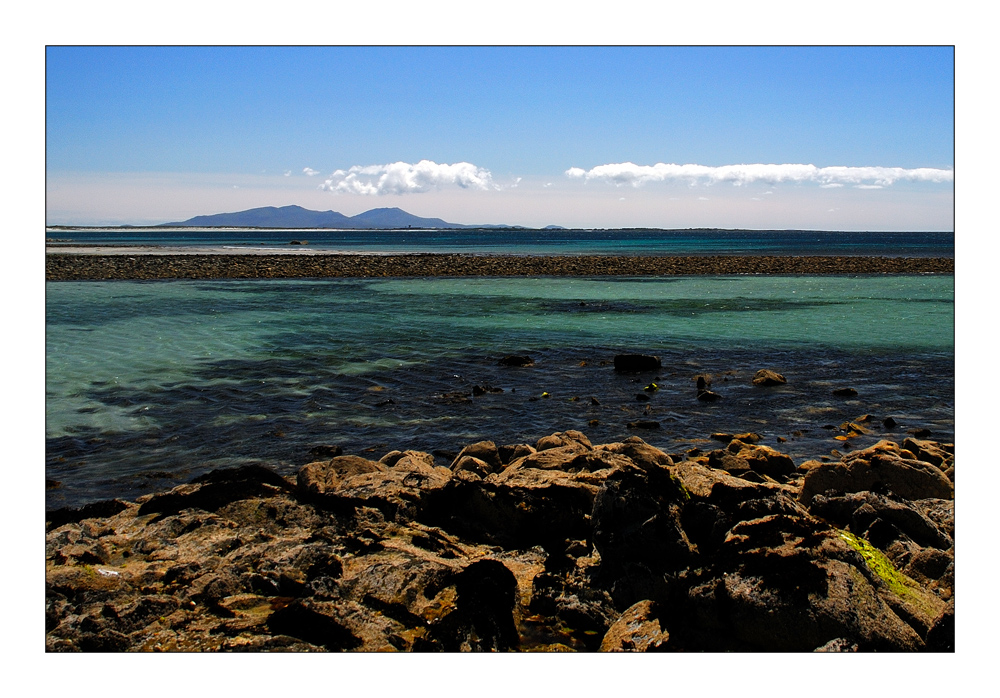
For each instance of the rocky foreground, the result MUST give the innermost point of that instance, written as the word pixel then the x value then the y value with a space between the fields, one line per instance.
pixel 82 267
pixel 560 545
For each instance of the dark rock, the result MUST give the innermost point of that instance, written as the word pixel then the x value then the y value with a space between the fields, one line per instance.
pixel 859 510
pixel 941 636
pixel 636 363
pixel 511 452
pixel 516 361
pixel 845 392
pixel 65 515
pixel 325 451
pixel 785 583
pixel 644 424
pixel 483 618
pixel 889 423
pixel 586 613
pixel 217 489
pixel 708 396
pixel 929 564
pixel 638 533
pixel 300 620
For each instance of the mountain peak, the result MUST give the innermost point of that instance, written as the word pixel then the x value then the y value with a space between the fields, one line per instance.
pixel 293 216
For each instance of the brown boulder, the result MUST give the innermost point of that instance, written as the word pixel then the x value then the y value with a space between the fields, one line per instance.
pixel 321 477
pixel 637 630
pixel 483 451
pixel 875 467
pixel 941 455
pixel 717 486
pixel 768 377
pixel 471 464
pixel 564 438
pixel 766 460
pixel 639 452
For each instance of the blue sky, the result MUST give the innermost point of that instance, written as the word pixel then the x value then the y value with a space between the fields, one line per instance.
pixel 575 136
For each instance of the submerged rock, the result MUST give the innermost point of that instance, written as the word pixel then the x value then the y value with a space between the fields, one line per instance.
pixel 636 363
pixel 768 377
pixel 516 361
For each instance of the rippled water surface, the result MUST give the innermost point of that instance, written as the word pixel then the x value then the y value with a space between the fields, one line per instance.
pixel 151 383
pixel 535 242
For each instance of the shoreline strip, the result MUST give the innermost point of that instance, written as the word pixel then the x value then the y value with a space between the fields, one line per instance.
pixel 139 266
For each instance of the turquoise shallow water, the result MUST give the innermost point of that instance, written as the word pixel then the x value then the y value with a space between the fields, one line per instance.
pixel 151 383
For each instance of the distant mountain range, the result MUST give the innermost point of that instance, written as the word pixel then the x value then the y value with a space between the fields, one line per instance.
pixel 298 217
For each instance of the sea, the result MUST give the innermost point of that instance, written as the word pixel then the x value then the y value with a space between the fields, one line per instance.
pixel 521 241
pixel 151 383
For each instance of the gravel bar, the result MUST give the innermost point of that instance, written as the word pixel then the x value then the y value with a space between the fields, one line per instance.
pixel 84 267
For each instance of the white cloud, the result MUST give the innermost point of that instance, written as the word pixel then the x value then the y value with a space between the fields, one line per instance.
pixel 637 175
pixel 310 172
pixel 288 173
pixel 404 178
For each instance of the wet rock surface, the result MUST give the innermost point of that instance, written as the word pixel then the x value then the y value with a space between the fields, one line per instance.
pixel 61 266
pixel 558 545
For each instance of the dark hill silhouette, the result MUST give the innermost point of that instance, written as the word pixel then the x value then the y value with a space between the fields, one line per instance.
pixel 298 217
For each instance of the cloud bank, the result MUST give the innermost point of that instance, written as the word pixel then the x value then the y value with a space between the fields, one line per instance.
pixel 406 178
pixel 864 177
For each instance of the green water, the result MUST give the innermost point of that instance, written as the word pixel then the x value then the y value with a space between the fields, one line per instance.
pixel 177 377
